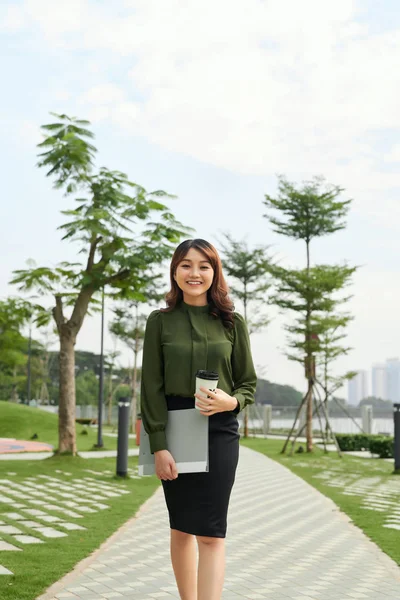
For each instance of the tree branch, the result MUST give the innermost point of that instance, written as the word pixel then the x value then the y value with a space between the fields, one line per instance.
pixel 92 252
pixel 80 308
pixel 58 313
pixel 123 274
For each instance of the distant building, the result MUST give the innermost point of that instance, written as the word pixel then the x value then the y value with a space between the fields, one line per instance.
pixel 379 381
pixel 393 379
pixel 358 388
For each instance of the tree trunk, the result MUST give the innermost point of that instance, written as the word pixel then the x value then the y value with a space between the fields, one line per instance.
pixel 14 393
pixel 246 422
pixel 134 392
pixel 309 409
pixel 246 408
pixel 67 398
pixel 110 395
pixel 310 362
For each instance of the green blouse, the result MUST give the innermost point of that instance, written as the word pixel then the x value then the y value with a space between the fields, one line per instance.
pixel 176 345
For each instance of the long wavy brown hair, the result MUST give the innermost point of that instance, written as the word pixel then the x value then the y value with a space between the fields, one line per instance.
pixel 221 306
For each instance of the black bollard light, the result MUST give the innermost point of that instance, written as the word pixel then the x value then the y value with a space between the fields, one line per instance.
pixel 396 416
pixel 123 437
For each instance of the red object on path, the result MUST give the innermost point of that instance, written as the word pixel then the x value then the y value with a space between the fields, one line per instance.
pixel 138 422
pixel 9 445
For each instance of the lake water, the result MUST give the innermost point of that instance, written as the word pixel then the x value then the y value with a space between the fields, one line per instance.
pixel 339 425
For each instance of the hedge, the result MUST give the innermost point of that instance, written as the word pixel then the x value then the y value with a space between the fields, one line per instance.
pixel 384 446
pixel 376 444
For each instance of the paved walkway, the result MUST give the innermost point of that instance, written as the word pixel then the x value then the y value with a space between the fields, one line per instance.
pixel 285 541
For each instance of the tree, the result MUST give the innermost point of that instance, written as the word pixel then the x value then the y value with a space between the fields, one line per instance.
pixel 129 326
pixel 276 394
pixel 331 349
pixel 15 313
pixel 305 214
pixel 105 226
pixel 130 329
pixel 87 388
pixel 249 269
pixel 378 403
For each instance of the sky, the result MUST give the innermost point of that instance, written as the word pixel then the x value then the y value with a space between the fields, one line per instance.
pixel 210 101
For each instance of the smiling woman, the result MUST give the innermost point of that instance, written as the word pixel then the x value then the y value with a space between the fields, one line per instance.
pixel 194 271
pixel 199 329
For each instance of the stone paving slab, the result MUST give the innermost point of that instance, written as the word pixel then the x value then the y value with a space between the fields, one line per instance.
pixel 285 541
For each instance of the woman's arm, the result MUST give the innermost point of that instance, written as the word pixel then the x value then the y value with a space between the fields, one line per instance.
pixel 153 405
pixel 243 372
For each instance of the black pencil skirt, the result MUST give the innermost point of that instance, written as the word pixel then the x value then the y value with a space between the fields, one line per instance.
pixel 198 502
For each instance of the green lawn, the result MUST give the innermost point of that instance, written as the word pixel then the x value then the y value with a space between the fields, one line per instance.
pixel 22 422
pixel 40 565
pixel 320 470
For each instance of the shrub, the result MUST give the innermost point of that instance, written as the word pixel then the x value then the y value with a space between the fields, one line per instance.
pixel 383 446
pixel 376 444
pixel 353 441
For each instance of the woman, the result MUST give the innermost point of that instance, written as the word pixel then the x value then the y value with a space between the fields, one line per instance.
pixel 197 330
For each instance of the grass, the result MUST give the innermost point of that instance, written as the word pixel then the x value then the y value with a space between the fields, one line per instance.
pixel 314 467
pixel 35 568
pixel 22 422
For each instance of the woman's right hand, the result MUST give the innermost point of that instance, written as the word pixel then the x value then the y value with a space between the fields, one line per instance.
pixel 165 465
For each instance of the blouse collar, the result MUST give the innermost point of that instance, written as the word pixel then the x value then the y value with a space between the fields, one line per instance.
pixel 195 309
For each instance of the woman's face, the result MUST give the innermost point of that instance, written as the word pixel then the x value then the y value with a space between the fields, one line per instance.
pixel 195 267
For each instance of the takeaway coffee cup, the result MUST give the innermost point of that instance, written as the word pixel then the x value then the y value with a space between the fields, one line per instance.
pixel 207 379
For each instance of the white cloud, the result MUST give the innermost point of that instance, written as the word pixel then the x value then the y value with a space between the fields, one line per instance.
pixel 255 87
pixel 393 155
pixel 103 94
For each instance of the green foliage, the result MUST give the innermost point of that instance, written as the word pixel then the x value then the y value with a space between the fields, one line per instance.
pixel 87 388
pixel 310 293
pixel 353 441
pixel 249 269
pixel 384 446
pixel 87 371
pixel 15 314
pixel 309 212
pixel 67 151
pixel 376 444
pixel 376 403
pixel 111 223
pixel 123 391
pixel 276 394
pixel 314 292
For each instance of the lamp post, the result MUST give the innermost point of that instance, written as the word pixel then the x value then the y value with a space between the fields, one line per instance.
pixel 101 380
pixel 396 416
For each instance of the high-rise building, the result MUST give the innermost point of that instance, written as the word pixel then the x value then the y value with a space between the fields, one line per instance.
pixel 393 379
pixel 379 381
pixel 358 388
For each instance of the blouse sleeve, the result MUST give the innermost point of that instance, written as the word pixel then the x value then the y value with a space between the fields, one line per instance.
pixel 243 372
pixel 153 405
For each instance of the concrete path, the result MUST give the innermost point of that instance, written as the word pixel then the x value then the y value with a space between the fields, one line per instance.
pixel 284 541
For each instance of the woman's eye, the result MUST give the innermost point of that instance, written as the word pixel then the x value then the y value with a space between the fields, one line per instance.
pixel 184 267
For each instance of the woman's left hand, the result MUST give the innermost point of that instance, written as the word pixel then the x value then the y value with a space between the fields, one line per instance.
pixel 219 401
